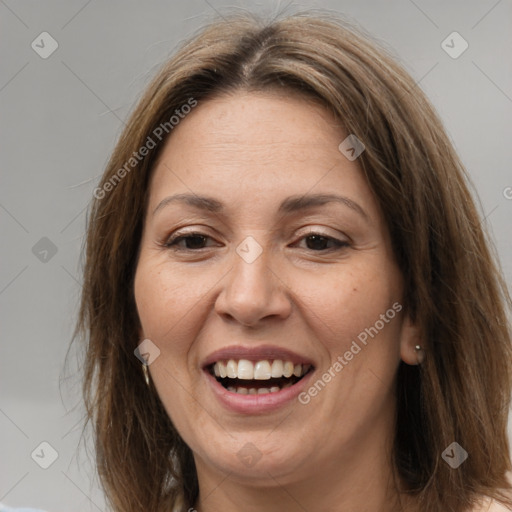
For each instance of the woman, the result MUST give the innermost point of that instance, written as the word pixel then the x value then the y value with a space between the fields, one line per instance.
pixel 288 299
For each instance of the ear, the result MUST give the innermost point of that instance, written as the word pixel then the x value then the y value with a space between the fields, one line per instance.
pixel 410 340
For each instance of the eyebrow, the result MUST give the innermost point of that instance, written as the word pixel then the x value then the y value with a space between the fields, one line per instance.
pixel 289 205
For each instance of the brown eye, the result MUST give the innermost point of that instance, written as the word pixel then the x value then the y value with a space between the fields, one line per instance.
pixel 318 242
pixel 192 241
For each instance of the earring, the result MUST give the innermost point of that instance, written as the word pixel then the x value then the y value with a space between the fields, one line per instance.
pixel 420 353
pixel 146 373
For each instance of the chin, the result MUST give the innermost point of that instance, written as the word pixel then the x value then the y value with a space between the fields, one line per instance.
pixel 255 457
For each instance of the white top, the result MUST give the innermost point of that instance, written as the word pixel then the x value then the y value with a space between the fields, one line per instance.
pixel 491 506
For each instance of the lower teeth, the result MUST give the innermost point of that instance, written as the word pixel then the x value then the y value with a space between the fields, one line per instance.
pixel 257 391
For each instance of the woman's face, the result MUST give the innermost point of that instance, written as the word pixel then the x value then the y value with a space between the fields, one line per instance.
pixel 275 280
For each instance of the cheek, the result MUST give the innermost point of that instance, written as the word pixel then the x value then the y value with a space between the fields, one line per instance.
pixel 354 387
pixel 345 304
pixel 165 299
pixel 165 302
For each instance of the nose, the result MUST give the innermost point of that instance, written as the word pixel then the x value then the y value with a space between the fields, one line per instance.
pixel 253 291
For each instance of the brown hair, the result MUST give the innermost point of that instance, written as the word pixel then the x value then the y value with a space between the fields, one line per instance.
pixel 453 287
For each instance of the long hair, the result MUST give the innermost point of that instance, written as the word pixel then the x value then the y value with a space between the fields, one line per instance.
pixel 453 287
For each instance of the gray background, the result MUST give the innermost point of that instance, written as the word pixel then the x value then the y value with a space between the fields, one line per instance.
pixel 60 118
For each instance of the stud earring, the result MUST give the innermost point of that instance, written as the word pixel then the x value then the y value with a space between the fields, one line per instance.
pixel 420 353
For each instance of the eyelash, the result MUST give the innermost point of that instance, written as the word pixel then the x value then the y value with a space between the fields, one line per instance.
pixel 172 243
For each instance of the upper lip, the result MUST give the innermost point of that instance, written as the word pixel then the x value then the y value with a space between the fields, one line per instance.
pixel 258 353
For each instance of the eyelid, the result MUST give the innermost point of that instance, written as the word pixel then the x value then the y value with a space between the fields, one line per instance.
pixel 321 231
pixel 196 231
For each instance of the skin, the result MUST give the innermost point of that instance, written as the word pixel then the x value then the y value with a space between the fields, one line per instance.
pixel 251 151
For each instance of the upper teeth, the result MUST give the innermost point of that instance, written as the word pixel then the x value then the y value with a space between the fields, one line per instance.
pixel 259 370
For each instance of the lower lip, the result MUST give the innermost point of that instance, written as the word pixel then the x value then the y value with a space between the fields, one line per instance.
pixel 255 404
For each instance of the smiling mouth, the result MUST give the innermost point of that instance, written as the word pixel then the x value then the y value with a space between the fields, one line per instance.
pixel 258 377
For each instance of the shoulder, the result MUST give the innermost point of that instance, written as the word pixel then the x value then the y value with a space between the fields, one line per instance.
pixel 490 506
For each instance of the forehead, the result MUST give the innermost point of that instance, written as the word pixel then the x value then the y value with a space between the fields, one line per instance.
pixel 249 146
pixel 266 125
